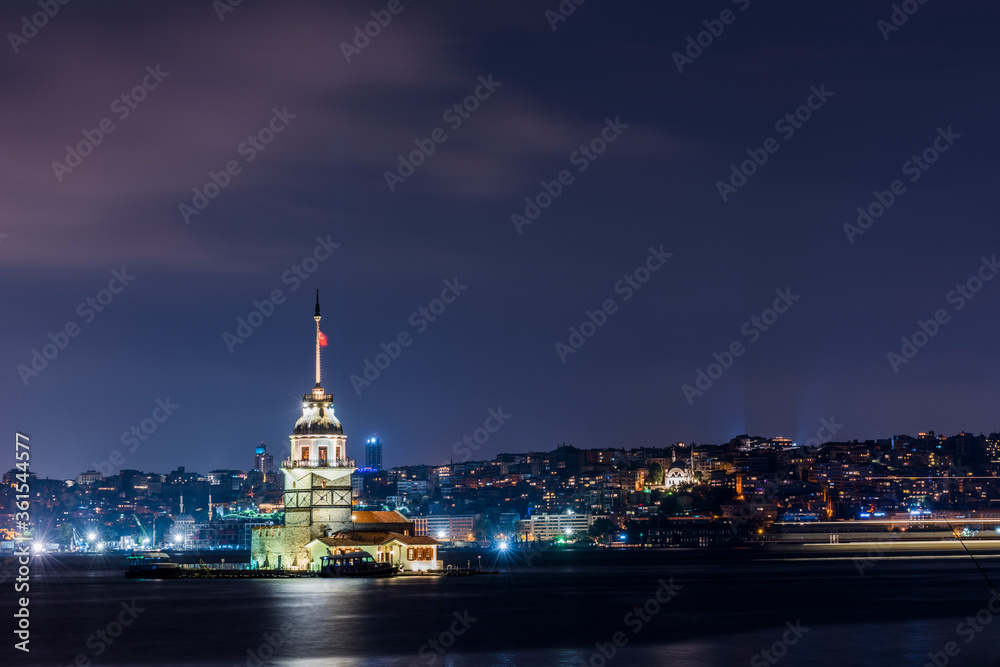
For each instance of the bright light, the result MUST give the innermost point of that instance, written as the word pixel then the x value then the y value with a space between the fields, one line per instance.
pixel 569 531
pixel 100 546
pixel 91 537
pixel 442 534
pixel 146 541
pixel 38 549
pixel 503 546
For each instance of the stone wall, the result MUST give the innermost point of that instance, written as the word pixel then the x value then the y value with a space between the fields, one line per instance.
pixel 285 542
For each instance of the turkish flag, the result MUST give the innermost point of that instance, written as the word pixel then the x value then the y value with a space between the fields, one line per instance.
pixel 322 339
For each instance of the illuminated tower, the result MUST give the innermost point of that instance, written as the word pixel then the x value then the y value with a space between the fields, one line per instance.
pixel 317 476
pixel 318 472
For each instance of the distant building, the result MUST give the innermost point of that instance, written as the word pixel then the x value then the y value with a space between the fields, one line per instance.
pixel 85 478
pixel 230 533
pixel 10 477
pixel 410 490
pixel 231 480
pixel 264 462
pixel 550 526
pixel 373 454
pixel 446 527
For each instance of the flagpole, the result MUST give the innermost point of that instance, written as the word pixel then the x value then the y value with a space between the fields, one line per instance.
pixel 317 317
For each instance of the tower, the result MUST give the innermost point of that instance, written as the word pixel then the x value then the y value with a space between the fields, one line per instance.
pixel 318 472
pixel 317 480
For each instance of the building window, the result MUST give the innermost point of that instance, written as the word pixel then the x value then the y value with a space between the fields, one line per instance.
pixel 305 453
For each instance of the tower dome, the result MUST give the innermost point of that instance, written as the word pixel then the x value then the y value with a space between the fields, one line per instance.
pixel 317 418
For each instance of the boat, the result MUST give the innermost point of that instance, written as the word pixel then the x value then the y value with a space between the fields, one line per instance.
pixel 152 565
pixel 354 564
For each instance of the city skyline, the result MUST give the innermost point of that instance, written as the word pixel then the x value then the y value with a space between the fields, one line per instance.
pixel 815 443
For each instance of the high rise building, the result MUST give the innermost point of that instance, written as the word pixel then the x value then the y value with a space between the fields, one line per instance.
pixel 264 462
pixel 373 453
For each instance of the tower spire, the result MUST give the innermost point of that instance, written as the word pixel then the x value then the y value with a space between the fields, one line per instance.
pixel 318 334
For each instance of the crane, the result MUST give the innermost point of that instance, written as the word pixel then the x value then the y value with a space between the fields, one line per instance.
pixel 143 529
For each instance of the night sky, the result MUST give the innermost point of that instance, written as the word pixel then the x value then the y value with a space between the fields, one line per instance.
pixel 879 97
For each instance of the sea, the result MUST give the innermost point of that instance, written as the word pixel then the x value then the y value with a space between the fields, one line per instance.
pixel 680 607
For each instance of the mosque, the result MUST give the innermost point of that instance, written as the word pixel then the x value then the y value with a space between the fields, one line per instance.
pixel 319 515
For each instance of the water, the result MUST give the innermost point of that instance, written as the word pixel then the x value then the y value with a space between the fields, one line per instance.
pixel 546 610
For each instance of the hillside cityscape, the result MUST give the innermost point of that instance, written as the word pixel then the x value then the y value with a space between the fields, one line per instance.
pixel 748 489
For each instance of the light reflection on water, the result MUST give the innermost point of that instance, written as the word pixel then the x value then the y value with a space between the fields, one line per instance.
pixel 538 614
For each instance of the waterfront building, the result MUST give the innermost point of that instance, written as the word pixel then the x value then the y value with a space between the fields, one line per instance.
pixel 446 527
pixel 229 533
pixel 408 552
pixel 551 526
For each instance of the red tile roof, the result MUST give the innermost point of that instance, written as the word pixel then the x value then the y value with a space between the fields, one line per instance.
pixel 378 517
